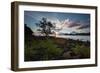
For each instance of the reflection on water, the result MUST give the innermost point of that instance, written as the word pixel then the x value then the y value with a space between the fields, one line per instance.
pixel 76 37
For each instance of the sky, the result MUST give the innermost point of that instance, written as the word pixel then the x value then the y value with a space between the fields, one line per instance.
pixel 67 22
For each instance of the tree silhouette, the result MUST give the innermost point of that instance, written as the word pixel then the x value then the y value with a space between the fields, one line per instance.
pixel 28 31
pixel 45 27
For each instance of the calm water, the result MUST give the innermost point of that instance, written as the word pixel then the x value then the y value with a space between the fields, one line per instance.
pixel 76 37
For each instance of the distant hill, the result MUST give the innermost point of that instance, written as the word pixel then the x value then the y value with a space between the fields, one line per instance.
pixel 74 33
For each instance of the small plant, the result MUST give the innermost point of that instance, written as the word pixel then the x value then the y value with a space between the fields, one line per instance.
pixel 42 50
pixel 82 50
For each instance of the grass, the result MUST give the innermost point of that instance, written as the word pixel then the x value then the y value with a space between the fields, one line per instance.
pixel 41 48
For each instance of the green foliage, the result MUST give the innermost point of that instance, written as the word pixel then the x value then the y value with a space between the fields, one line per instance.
pixel 42 50
pixel 81 50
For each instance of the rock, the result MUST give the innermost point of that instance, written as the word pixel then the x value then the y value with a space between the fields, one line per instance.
pixel 67 55
pixel 76 57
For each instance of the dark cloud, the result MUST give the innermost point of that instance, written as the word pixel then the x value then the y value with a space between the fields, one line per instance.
pixel 84 26
pixel 74 24
pixel 71 24
pixel 78 24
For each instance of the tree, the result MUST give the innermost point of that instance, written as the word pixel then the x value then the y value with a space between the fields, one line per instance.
pixel 45 26
pixel 28 31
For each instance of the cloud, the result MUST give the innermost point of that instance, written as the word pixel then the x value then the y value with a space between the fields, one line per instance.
pixel 73 24
pixel 70 23
pixel 79 25
pixel 84 26
pixel 67 23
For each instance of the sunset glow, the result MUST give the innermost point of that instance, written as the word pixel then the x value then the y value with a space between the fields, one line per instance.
pixel 64 22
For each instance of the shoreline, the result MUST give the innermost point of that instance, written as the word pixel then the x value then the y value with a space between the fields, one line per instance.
pixel 59 38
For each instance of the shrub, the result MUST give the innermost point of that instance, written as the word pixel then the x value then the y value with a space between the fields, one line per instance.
pixel 42 50
pixel 82 50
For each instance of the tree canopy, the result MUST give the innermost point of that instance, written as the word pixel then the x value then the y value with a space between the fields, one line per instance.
pixel 45 26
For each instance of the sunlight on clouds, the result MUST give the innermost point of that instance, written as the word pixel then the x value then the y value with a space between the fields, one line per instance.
pixel 64 22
